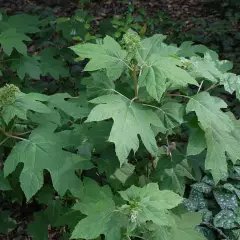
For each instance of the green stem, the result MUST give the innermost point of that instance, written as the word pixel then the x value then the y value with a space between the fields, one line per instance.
pixel 10 135
pixel 135 236
pixel 7 60
pixel 178 95
pixel 212 87
pixel 135 81
pixel 3 141
pixel 21 134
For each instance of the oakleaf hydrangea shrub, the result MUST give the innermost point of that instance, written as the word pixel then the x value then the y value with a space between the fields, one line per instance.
pixel 141 148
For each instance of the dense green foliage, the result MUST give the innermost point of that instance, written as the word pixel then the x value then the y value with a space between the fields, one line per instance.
pixel 106 134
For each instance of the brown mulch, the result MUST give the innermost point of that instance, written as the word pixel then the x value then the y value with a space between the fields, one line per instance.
pixel 183 10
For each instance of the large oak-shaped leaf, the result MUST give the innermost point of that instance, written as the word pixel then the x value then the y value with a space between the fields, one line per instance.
pixel 130 120
pixel 157 70
pixel 219 129
pixel 157 66
pixel 26 65
pixel 109 56
pixel 43 150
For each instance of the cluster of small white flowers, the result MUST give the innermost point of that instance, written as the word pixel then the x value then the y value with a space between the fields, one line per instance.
pixel 8 94
pixel 134 215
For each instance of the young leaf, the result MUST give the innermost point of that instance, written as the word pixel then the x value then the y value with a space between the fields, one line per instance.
pixel 10 39
pixel 150 203
pixel 43 150
pixel 150 46
pixel 107 56
pixel 130 119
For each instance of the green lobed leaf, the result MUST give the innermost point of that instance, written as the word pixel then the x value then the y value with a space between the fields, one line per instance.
pixel 43 150
pixel 219 129
pixel 107 56
pixel 98 84
pixel 171 115
pixel 130 119
pixel 71 106
pixel 10 39
pixel 98 206
pixel 24 23
pixel 52 66
pixel 24 103
pixel 150 204
pixel 38 229
pixel 157 70
pixel 205 68
pixel 171 175
pixel 158 67
pixel 25 65
pixel 188 49
pixel 231 83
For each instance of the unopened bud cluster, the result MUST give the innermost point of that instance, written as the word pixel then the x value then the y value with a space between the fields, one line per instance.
pixel 132 43
pixel 8 94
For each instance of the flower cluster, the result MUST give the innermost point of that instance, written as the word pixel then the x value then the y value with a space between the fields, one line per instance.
pixel 8 94
pixel 131 42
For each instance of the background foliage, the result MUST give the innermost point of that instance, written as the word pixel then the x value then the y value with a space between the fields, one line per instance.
pixel 51 119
